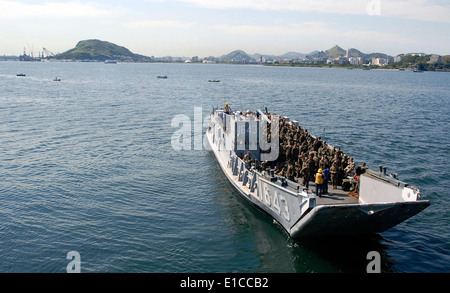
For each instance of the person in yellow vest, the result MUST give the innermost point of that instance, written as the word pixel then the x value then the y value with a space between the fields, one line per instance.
pixel 319 182
pixel 227 109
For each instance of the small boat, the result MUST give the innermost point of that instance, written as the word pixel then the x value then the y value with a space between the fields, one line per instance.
pixel 162 76
pixel 110 62
pixel 57 79
pixel 21 74
pixel 213 80
pixel 401 69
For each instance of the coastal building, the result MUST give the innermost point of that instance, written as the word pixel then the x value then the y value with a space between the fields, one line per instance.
pixel 317 60
pixel 356 61
pixel 416 54
pixel 435 59
pixel 380 61
pixel 338 60
pixel 342 60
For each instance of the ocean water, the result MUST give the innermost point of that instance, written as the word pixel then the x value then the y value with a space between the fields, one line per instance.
pixel 87 165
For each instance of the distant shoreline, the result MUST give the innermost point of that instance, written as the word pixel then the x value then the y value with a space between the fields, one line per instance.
pixel 370 67
pixel 346 66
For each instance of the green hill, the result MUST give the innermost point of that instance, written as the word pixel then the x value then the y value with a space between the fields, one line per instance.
pixel 292 55
pixel 335 52
pixel 100 51
pixel 237 56
pixel 356 53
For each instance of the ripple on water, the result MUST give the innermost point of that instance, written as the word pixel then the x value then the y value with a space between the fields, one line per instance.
pixel 88 166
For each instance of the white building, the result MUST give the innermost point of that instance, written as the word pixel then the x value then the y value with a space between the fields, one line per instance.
pixel 380 61
pixel 416 54
pixel 356 60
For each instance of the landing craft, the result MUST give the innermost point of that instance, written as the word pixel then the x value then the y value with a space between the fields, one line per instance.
pixel 381 202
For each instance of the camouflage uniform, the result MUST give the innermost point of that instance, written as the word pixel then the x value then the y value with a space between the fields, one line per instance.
pixel 290 172
pixel 334 175
pixel 306 175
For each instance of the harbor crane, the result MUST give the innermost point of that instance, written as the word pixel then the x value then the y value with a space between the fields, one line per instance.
pixel 47 52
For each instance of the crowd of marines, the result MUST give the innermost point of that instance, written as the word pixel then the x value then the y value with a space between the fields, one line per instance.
pixel 303 156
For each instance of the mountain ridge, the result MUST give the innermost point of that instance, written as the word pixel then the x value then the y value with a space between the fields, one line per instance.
pixel 97 50
pixel 333 52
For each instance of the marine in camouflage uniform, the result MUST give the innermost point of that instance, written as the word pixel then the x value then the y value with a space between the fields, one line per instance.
pixel 334 175
pixel 290 172
pixel 306 174
pixel 312 167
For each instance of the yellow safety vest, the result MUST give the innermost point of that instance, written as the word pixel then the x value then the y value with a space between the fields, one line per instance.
pixel 319 178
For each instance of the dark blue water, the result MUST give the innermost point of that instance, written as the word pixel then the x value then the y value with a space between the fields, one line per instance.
pixel 86 164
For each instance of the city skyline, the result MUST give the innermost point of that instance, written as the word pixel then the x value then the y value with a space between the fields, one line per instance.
pixel 216 27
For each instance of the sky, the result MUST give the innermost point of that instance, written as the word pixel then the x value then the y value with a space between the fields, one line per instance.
pixel 216 27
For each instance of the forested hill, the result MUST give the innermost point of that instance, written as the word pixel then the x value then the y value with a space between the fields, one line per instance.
pixel 100 51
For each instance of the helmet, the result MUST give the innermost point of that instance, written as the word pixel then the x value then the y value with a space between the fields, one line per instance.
pixel 320 171
pixel 226 104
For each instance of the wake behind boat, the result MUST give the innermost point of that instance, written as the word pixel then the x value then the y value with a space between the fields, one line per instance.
pixel 248 152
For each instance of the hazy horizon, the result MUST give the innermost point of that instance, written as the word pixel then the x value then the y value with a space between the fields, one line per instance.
pixel 186 28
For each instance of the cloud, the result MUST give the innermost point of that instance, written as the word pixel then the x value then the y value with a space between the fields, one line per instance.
pixel 312 28
pixel 160 24
pixel 377 37
pixel 329 6
pixel 425 10
pixel 74 9
pixel 307 28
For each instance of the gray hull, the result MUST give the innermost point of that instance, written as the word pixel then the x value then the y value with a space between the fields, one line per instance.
pixel 355 219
